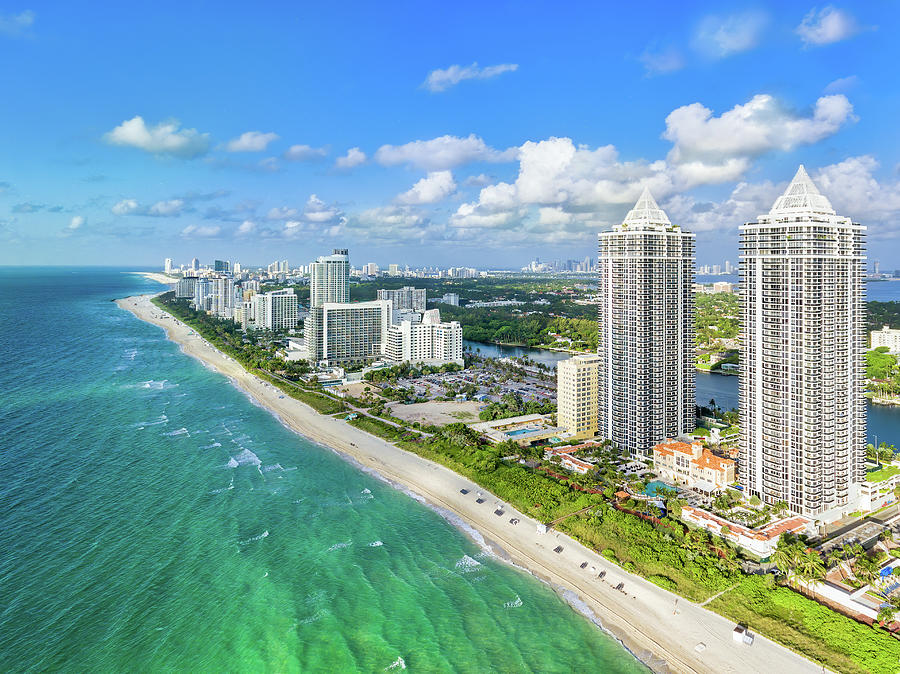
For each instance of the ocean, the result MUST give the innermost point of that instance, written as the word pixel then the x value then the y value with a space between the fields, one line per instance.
pixel 153 518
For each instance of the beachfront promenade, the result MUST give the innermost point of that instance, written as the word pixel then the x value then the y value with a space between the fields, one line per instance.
pixel 666 631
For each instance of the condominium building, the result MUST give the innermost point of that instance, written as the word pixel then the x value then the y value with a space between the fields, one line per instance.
pixel 803 415
pixel 405 299
pixel 450 298
pixel 329 278
pixel 275 310
pixel 886 337
pixel 167 265
pixel 576 395
pixel 339 332
pixel 429 342
pixel 646 322
pixel 185 288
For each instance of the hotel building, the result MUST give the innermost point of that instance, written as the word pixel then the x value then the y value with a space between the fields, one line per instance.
pixel 276 310
pixel 576 395
pixel 329 278
pixel 429 342
pixel 646 322
pixel 803 415
pixel 341 332
pixel 405 299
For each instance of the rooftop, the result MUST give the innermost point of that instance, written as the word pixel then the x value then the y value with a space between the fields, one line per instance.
pixel 801 196
pixel 646 213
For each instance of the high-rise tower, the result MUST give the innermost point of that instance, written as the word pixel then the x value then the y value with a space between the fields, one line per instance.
pixel 646 322
pixel 329 278
pixel 803 414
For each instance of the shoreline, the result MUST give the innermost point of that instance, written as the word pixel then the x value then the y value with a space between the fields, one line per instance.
pixel 659 628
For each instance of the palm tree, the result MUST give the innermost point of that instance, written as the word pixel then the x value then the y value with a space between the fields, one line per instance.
pixel 784 558
pixel 835 556
pixel 865 569
pixel 810 567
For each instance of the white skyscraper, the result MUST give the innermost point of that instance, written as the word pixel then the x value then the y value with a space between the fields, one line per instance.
pixel 167 266
pixel 803 415
pixel 329 278
pixel 406 298
pixel 646 321
pixel 275 310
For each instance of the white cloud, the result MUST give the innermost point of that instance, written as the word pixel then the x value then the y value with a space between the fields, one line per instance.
pixel 251 141
pixel 480 180
pixel 442 153
pixel 442 79
pixel 282 213
pixel 166 138
pixel 304 153
pixel 826 26
pixel 246 228
pixel 16 24
pixel 319 212
pixel 721 36
pixel 201 231
pixel 435 187
pixel 354 157
pixel 169 208
pixel 710 148
pixel 269 164
pixel 841 85
pixel 854 191
pixel 125 207
pixel 76 222
pixel 662 61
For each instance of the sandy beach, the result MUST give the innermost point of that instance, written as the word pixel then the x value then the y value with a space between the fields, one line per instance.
pixel 667 632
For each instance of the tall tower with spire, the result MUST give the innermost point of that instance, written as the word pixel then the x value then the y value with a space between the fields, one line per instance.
pixel 646 323
pixel 803 414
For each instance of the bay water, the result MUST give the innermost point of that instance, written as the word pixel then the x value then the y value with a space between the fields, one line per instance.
pixel 152 518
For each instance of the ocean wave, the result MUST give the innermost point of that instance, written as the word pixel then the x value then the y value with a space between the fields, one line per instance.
pixel 181 431
pixel 253 539
pixel 515 603
pixel 340 546
pixel 224 489
pixel 375 544
pixel 467 564
pixel 246 457
pixel 269 469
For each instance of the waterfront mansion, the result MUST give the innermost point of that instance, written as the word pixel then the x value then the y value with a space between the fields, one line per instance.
pixel 692 465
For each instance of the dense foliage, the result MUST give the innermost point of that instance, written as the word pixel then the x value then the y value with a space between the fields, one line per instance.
pixel 808 627
pixel 512 405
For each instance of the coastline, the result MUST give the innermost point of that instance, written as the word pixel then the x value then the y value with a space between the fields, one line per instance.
pixel 659 628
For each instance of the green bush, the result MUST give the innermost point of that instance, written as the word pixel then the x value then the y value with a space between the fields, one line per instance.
pixel 664 582
pixel 808 627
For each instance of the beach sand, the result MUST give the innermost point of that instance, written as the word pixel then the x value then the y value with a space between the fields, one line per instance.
pixel 663 630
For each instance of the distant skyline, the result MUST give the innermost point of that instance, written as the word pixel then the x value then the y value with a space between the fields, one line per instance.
pixel 464 135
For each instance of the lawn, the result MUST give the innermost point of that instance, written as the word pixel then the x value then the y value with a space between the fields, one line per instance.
pixel 882 474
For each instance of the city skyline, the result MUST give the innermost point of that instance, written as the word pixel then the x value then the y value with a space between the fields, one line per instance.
pixel 196 162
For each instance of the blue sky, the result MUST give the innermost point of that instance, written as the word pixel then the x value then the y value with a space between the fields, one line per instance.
pixel 480 134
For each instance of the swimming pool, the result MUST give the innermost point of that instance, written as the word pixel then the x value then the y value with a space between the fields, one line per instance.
pixel 655 486
pixel 521 431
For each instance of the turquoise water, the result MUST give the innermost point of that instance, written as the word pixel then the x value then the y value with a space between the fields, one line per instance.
pixel 654 486
pixel 152 518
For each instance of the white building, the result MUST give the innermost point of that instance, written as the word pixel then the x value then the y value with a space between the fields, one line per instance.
pixel 329 278
pixel 451 298
pixel 405 299
pixel 576 395
pixel 275 310
pixel 167 266
pixel 430 342
pixel 646 340
pixel 338 332
pixel 186 287
pixel 803 415
pixel 886 337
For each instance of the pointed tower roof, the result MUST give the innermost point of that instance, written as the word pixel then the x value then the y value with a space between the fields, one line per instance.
pixel 802 196
pixel 646 212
